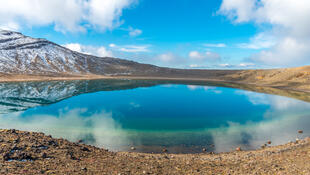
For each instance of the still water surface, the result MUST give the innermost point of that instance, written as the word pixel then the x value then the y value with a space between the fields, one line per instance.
pixel 151 116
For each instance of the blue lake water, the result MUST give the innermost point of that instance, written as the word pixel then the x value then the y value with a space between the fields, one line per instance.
pixel 151 116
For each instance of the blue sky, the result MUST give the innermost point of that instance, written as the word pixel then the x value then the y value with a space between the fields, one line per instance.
pixel 174 33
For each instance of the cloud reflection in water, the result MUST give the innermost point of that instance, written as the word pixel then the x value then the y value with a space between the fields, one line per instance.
pixel 282 118
pixel 98 129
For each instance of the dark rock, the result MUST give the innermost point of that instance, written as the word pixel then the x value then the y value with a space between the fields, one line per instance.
pixel 85 149
pixel 44 155
pixel 6 156
pixel 80 141
pixel 53 143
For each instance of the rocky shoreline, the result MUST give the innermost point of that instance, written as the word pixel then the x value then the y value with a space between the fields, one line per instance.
pixel 35 153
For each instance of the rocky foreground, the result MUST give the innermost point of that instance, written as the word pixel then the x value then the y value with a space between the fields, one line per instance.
pixel 35 153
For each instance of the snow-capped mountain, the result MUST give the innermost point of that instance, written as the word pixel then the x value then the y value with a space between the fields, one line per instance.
pixel 21 54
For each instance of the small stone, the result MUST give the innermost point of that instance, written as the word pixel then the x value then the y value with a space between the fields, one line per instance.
pixel 85 149
pixel 165 150
pixel 269 142
pixel 80 141
pixel 84 169
pixel 263 146
pixel 132 148
pixel 238 149
pixel 300 131
pixel 204 149
pixel 144 172
pixel 44 155
pixel 6 156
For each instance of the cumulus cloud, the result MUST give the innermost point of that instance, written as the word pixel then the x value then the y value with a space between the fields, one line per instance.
pixel 259 41
pixel 290 27
pixel 90 50
pixel 206 56
pixel 167 57
pixel 134 32
pixel 65 15
pixel 193 59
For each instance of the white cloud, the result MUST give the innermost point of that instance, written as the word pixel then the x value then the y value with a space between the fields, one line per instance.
pixel 74 46
pixel 134 32
pixel 112 45
pixel 215 45
pixel 290 24
pixel 207 56
pixel 289 51
pixel 134 48
pixel 167 57
pixel 246 64
pixel 130 48
pixel 194 66
pixel 90 50
pixel 106 14
pixel 238 10
pixel 259 41
pixel 103 52
pixel 237 66
pixel 10 26
pixel 65 15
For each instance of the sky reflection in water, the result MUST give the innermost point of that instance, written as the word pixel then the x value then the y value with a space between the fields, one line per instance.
pixel 179 117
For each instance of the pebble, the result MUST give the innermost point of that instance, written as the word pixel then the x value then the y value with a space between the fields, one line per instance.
pixel 238 149
pixel 165 150
pixel 85 149
pixel 300 131
pixel 269 142
pixel 132 148
pixel 80 141
pixel 204 149
pixel 44 155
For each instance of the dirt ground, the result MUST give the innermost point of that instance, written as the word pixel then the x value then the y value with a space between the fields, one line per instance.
pixel 35 153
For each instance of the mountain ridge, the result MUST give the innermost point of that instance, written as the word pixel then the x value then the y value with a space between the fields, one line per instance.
pixel 20 54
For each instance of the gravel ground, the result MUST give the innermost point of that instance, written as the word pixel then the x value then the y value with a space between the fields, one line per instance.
pixel 35 153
